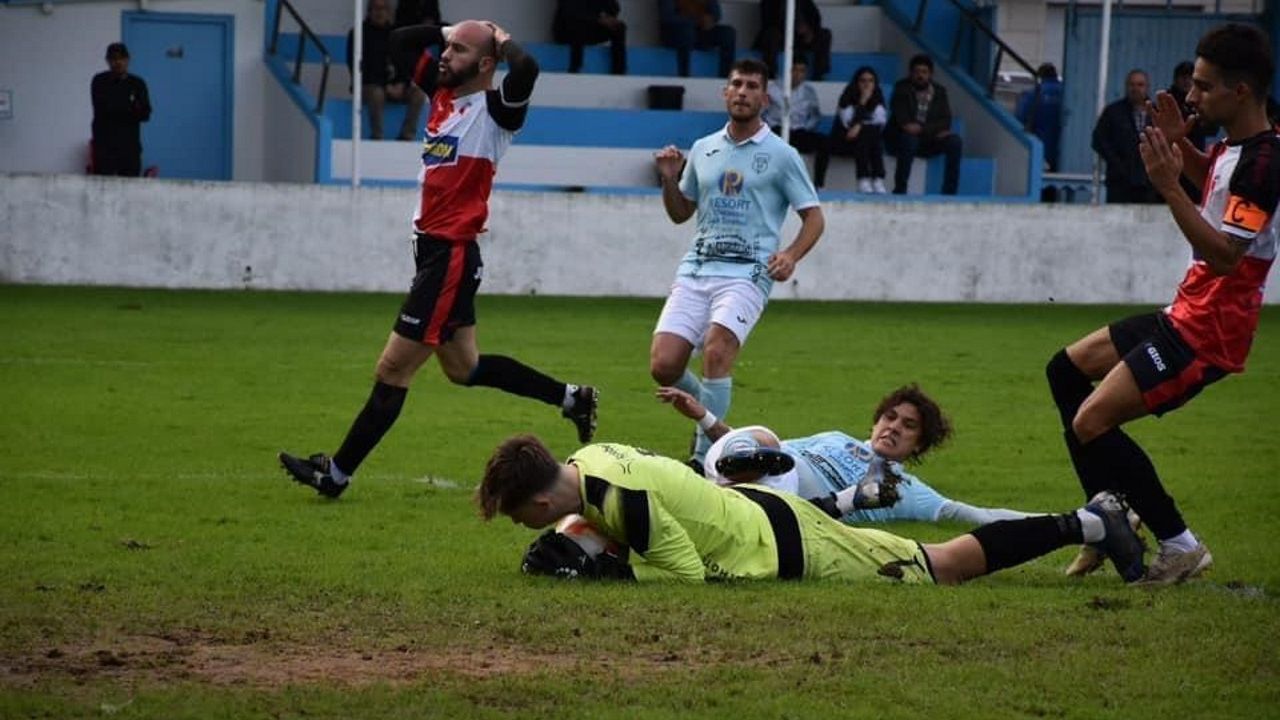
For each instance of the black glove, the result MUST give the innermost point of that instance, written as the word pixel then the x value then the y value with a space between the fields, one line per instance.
pixel 765 461
pixel 559 556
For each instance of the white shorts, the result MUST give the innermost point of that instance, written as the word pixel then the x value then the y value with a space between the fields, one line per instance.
pixel 695 302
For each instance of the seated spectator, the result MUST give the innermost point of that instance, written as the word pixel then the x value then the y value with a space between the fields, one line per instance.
pixel 380 82
pixel 858 131
pixel 1115 139
pixel 1042 114
pixel 688 24
pixel 418 12
pixel 805 113
pixel 591 22
pixel 810 37
pixel 920 126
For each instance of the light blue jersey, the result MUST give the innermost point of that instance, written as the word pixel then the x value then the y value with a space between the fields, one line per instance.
pixel 832 461
pixel 742 190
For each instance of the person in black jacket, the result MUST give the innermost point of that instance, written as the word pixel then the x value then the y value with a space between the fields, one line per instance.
pixel 858 131
pixel 120 106
pixel 810 37
pixel 381 81
pixel 1115 139
pixel 589 22
pixel 920 126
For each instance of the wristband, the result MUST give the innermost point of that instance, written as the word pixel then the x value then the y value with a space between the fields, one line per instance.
pixel 708 421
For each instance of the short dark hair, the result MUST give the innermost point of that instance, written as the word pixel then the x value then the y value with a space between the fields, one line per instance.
pixel 117 49
pixel 920 59
pixel 935 427
pixel 1186 68
pixel 750 66
pixel 1242 54
pixel 519 468
pixel 1047 71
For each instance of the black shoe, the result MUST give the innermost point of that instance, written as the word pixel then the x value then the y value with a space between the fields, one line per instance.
pixel 314 473
pixel 765 461
pixel 583 412
pixel 1121 543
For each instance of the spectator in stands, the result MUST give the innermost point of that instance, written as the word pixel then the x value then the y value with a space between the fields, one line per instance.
pixel 1115 139
pixel 810 37
pixel 1042 113
pixel 920 126
pixel 380 80
pixel 120 106
pixel 591 22
pixel 858 131
pixel 689 24
pixel 805 113
pixel 419 12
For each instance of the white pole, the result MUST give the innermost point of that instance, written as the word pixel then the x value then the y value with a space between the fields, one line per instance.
pixel 1104 58
pixel 357 54
pixel 788 48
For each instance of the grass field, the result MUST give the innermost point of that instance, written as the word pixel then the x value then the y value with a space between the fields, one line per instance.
pixel 157 563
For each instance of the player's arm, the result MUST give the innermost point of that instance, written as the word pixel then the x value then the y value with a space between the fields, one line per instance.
pixel 1221 250
pixel 668 551
pixel 688 406
pixel 517 87
pixel 676 175
pixel 408 49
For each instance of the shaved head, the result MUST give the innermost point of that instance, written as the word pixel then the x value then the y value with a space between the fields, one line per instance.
pixel 476 34
pixel 470 56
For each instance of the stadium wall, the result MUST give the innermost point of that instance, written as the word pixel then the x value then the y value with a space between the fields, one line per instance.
pixel 178 234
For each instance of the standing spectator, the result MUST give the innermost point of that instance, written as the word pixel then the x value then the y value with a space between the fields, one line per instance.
pixel 858 130
pixel 380 81
pixel 1043 115
pixel 688 24
pixel 120 106
pixel 810 36
pixel 591 22
pixel 1115 139
pixel 419 12
pixel 920 126
pixel 805 114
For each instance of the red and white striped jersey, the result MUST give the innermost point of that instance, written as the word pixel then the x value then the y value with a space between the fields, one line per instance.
pixel 1218 314
pixel 459 159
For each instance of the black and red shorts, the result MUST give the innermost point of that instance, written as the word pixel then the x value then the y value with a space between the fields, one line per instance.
pixel 1168 371
pixel 442 297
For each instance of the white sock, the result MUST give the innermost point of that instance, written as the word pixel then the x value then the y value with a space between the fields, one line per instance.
pixel 337 474
pixel 569 391
pixel 1182 542
pixel 1092 526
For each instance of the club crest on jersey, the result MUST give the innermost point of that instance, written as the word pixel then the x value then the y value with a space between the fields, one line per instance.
pixel 441 150
pixel 760 162
pixel 731 182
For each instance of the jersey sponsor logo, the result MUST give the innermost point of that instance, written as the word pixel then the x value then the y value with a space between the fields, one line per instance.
pixel 441 150
pixel 760 162
pixel 1155 358
pixel 731 182
pixel 1243 214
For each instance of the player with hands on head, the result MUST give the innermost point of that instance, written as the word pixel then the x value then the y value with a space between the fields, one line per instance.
pixel 739 182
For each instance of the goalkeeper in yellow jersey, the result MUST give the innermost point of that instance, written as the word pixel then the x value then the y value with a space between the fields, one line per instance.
pixel 669 523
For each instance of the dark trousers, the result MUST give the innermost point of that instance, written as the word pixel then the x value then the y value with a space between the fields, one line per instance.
pixel 124 164
pixel 685 36
pixel 867 151
pixel 769 42
pixel 907 147
pixel 578 36
pixel 1137 194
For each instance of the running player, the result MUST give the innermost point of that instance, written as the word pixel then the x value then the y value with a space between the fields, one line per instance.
pixel 674 526
pixel 469 129
pixel 739 181
pixel 844 474
pixel 1153 363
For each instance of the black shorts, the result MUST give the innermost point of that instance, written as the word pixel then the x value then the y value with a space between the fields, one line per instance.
pixel 442 297
pixel 1168 371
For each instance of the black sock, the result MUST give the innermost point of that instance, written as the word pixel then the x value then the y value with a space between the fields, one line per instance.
pixel 1068 385
pixel 509 374
pixel 376 417
pixel 1094 475
pixel 1012 542
pixel 1127 470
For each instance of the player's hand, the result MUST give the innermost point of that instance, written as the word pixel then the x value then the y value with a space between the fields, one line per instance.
pixel 781 266
pixel 669 161
pixel 1162 160
pixel 500 36
pixel 684 403
pixel 1167 116
pixel 556 555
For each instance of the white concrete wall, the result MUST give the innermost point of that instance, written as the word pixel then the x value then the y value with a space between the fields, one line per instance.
pixel 197 234
pixel 47 60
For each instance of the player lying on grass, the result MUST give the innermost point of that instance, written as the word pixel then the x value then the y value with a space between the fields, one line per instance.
pixel 856 481
pixel 669 524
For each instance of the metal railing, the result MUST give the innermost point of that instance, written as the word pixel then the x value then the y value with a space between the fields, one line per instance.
pixel 304 36
pixel 975 23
